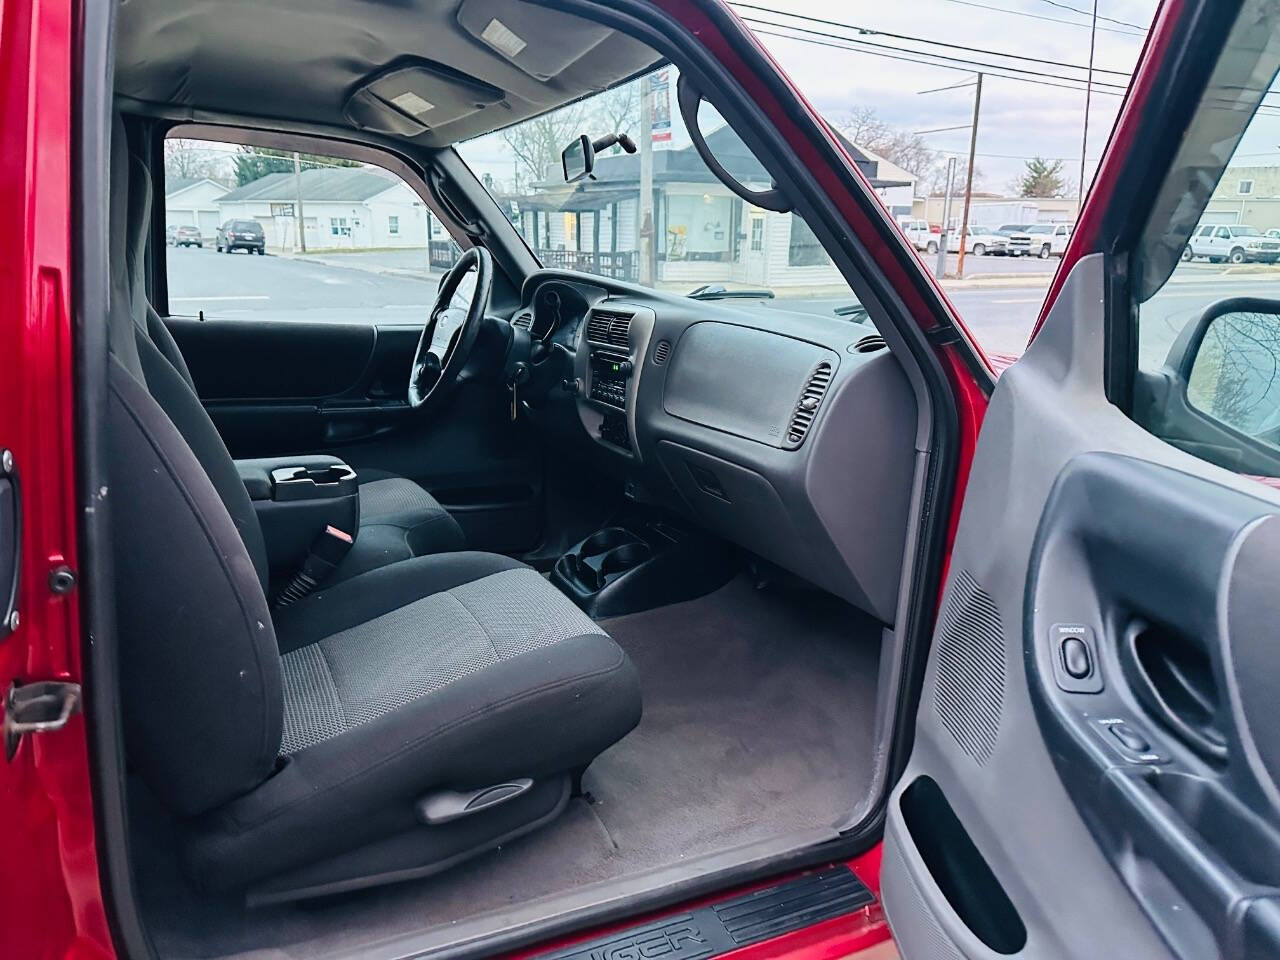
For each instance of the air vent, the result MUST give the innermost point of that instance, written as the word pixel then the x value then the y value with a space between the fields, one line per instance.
pixel 661 352
pixel 523 320
pixel 807 405
pixel 610 329
pixel 869 344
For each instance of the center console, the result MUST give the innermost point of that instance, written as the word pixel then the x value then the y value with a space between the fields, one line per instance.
pixel 615 337
pixel 296 499
pixel 641 563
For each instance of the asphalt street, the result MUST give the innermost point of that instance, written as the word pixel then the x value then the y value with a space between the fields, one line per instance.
pixel 379 288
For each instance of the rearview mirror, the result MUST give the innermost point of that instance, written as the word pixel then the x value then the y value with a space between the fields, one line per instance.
pixel 578 159
pixel 1230 361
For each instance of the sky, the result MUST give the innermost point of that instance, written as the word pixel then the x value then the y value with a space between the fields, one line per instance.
pixel 1018 119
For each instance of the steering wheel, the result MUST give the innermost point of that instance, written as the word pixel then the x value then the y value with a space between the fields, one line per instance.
pixel 450 331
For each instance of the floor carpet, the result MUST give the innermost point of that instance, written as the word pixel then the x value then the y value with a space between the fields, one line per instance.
pixel 758 721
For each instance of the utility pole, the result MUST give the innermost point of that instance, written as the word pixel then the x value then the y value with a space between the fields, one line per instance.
pixel 944 241
pixel 1088 95
pixel 297 203
pixel 648 256
pixel 968 179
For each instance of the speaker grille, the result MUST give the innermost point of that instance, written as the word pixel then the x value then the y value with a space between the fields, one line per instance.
pixel 969 685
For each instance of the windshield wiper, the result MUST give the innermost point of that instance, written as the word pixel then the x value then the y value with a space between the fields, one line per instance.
pixel 717 291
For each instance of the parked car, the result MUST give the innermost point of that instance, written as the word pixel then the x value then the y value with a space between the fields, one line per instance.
pixel 979 241
pixel 1232 243
pixel 1042 240
pixel 171 235
pixel 244 235
pixel 188 236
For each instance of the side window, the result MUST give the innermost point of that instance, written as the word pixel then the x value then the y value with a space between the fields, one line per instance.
pixel 332 239
pixel 1207 374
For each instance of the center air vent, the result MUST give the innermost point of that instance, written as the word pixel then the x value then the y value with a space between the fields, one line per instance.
pixel 807 406
pixel 609 329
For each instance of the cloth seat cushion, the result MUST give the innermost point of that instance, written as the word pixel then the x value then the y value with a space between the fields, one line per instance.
pixel 398 520
pixel 453 671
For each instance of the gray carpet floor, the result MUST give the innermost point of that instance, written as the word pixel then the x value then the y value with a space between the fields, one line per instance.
pixel 758 721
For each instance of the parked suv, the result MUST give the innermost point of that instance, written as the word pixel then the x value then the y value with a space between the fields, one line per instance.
pixel 921 234
pixel 1236 243
pixel 241 235
pixel 979 241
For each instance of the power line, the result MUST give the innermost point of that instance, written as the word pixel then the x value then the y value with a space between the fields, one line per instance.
pixel 947 62
pixel 950 63
pixel 870 31
pixel 1037 16
pixel 1090 13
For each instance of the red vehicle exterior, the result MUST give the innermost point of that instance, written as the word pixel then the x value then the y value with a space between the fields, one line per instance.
pixel 51 900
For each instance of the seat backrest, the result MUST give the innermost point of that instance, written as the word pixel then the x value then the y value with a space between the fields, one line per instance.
pixel 199 666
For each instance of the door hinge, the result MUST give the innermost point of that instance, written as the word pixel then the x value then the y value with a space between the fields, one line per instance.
pixel 37 708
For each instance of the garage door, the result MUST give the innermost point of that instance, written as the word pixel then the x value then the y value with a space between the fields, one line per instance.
pixel 208 222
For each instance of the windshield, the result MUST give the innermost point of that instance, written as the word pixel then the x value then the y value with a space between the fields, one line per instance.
pixel 1245 232
pixel 1046 228
pixel 705 238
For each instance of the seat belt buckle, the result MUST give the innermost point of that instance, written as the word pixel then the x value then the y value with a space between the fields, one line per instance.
pixel 326 552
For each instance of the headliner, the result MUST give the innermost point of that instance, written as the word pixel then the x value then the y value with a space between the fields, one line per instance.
pixel 300 61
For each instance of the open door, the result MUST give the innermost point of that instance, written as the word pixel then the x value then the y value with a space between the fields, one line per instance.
pixel 1096 767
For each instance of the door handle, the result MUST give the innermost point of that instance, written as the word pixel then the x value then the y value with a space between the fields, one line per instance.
pixel 1173 680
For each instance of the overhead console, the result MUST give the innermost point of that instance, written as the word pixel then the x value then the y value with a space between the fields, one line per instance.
pixel 788 433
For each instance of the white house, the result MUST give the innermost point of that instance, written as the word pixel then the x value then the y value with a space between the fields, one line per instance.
pixel 193 202
pixel 342 207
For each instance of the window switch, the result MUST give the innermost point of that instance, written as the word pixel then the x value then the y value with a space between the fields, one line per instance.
pixel 1075 658
pixel 1129 737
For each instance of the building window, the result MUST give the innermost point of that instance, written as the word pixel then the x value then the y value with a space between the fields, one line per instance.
pixel 338 227
pixel 1245 187
pixel 393 225
pixel 804 249
pixel 757 234
pixel 698 227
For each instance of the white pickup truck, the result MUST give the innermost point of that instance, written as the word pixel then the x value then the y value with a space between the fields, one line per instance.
pixel 1235 243
pixel 1041 240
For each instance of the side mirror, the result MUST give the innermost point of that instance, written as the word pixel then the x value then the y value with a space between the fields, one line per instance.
pixel 1228 362
pixel 578 159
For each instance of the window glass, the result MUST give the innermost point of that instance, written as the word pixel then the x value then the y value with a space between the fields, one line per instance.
pixel 1208 360
pixel 704 237
pixel 328 238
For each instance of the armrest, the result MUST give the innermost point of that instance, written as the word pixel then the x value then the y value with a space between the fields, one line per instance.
pixel 256 473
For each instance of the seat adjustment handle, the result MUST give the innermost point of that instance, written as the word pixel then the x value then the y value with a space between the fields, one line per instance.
pixel 449 805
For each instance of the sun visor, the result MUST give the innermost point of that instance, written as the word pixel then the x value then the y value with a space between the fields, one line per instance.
pixel 412 97
pixel 541 42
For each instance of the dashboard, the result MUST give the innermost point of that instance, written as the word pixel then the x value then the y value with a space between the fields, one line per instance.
pixel 790 434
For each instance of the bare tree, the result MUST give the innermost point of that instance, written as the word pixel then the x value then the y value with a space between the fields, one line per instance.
pixel 192 159
pixel 863 126
pixel 936 182
pixel 536 143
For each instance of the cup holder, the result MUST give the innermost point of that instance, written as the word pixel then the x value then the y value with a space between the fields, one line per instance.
pixel 625 557
pixel 602 541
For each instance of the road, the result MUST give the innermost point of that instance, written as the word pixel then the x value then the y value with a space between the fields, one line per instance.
pixel 999 311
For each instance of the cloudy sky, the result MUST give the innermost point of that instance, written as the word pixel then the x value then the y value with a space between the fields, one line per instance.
pixel 1019 118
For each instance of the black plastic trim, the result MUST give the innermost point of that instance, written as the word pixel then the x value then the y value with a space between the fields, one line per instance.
pixel 732 923
pixel 92 80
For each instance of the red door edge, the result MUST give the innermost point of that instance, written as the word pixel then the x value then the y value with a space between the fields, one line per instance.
pixel 50 897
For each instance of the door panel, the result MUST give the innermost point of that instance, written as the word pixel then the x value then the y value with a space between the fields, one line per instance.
pixel 283 387
pixel 1080 525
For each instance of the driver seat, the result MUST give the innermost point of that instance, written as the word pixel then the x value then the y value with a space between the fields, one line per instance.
pixel 398 518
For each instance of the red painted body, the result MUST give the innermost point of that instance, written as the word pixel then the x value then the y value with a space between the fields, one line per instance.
pixel 50 902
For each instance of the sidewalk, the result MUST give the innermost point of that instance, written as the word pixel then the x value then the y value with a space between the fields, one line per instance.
pixel 409 262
